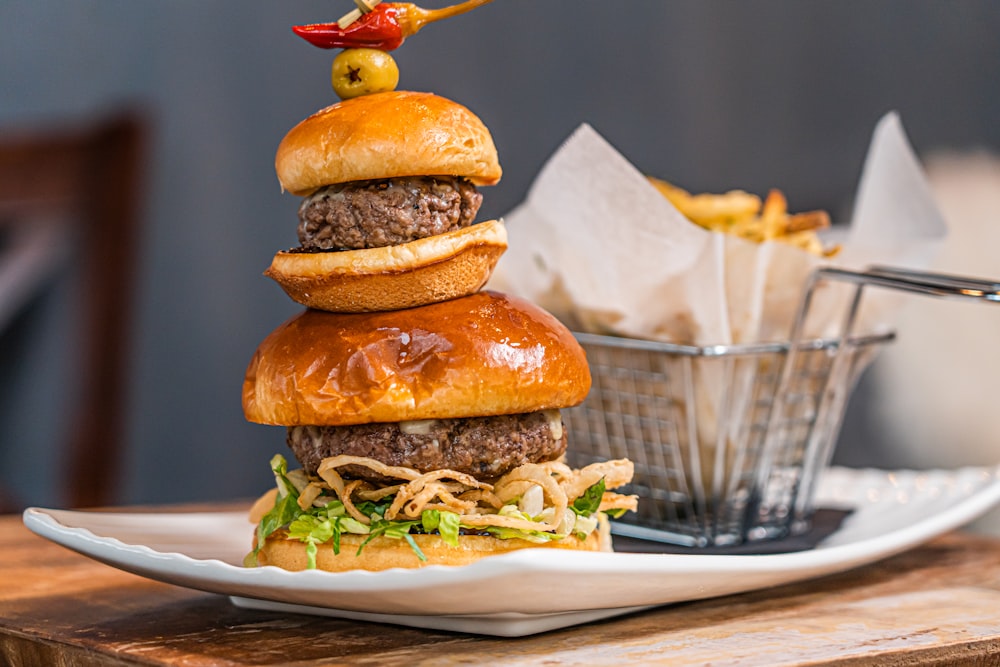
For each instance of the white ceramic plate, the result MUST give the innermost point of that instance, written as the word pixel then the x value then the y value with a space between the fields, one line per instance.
pixel 526 591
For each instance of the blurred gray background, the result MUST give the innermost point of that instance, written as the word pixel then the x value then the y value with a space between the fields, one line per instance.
pixel 712 95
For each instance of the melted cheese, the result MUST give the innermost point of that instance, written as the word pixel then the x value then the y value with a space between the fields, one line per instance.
pixel 555 423
pixel 417 427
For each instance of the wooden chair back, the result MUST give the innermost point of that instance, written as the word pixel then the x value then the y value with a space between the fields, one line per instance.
pixel 92 177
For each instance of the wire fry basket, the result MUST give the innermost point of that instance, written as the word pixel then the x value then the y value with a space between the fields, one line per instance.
pixel 728 440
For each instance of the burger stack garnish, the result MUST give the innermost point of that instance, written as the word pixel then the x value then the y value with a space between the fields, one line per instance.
pixel 423 411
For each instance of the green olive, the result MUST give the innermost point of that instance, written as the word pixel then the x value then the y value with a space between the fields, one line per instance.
pixel 362 72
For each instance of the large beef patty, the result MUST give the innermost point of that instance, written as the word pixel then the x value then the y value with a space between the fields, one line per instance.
pixel 485 447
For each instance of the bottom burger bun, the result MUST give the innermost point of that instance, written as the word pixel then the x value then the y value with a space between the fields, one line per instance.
pixel 385 553
pixel 428 270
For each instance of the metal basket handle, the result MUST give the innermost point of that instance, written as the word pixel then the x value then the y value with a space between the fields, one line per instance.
pixel 832 401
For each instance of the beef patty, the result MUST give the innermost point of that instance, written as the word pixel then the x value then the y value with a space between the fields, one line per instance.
pixel 485 447
pixel 373 214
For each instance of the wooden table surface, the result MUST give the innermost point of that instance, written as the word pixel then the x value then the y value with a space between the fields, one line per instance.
pixel 937 604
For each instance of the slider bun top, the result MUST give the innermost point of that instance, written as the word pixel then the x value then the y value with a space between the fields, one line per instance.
pixel 481 355
pixel 386 135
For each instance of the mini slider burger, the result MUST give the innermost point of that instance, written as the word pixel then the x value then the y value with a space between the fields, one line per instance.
pixel 389 184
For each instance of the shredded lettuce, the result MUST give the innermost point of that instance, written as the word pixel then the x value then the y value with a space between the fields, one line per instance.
pixel 286 506
pixel 512 511
pixel 590 501
pixel 395 530
pixel 284 512
pixel 447 524
pixel 311 530
pixel 327 520
pixel 430 520
pixel 536 536
pixel 279 466
pixel 316 528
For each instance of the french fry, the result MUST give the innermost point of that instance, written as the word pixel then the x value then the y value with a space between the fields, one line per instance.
pixel 714 211
pixel 743 214
pixel 813 220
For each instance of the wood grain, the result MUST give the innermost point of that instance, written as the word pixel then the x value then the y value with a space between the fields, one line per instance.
pixel 938 604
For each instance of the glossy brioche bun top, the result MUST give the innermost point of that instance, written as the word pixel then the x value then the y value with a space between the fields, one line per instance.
pixel 479 355
pixel 386 135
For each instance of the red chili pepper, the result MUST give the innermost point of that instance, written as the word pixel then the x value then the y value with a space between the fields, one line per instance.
pixel 385 27
pixel 378 29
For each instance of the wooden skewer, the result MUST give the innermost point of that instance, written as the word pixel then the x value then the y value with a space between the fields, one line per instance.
pixel 362 8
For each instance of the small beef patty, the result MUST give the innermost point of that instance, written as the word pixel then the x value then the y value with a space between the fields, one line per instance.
pixel 374 214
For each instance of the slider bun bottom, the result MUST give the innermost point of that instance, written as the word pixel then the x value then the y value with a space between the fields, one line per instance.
pixel 428 270
pixel 385 553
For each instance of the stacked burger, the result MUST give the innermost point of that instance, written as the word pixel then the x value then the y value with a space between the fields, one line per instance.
pixel 423 412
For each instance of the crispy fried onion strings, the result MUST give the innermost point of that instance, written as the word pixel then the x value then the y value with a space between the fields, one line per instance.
pixel 309 494
pixel 476 502
pixel 617 501
pixel 425 488
pixel 615 473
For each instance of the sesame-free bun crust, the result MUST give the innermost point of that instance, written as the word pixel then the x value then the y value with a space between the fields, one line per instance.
pixel 386 135
pixel 384 553
pixel 428 270
pixel 476 356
